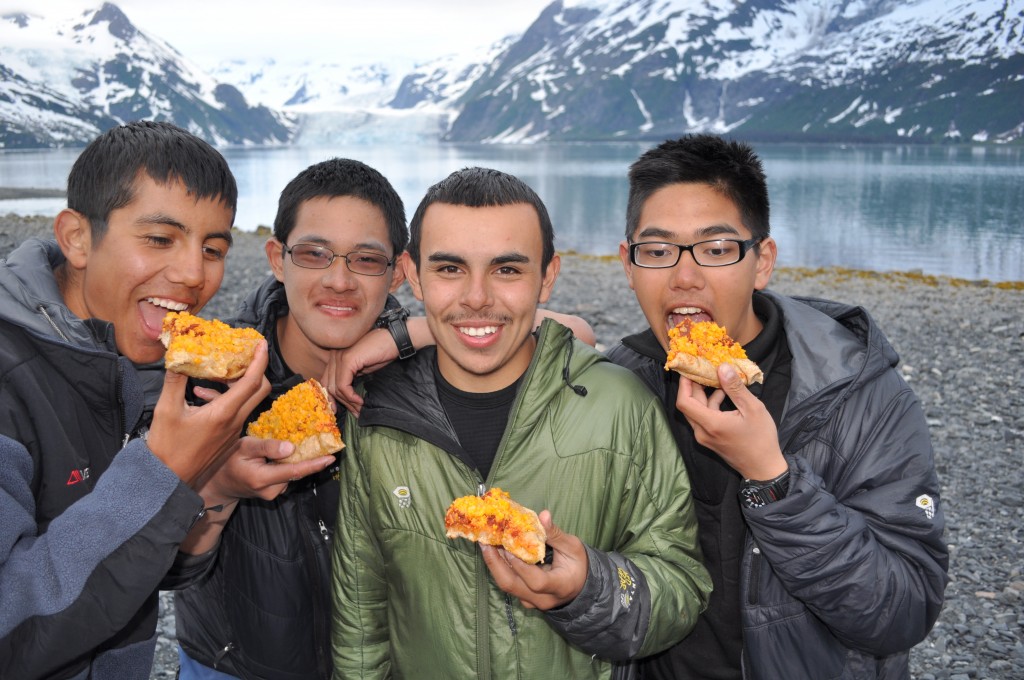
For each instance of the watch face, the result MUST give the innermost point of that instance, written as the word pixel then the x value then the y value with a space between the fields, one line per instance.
pixel 752 497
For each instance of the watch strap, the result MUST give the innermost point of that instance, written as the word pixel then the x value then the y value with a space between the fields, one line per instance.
pixel 755 494
pixel 400 332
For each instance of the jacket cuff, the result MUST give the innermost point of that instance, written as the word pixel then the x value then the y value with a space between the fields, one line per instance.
pixel 610 616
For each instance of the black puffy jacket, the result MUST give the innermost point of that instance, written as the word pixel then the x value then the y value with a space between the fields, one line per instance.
pixel 840 578
pixel 263 609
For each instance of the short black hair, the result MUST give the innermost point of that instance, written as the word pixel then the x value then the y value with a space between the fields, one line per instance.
pixel 104 176
pixel 478 188
pixel 732 168
pixel 342 177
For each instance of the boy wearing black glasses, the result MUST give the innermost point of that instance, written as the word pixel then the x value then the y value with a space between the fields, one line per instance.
pixel 816 492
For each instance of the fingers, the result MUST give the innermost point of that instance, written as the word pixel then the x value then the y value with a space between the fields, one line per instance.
pixel 734 388
pixel 339 377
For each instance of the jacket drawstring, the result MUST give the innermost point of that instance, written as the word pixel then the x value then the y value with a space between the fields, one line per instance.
pixel 42 310
pixel 578 389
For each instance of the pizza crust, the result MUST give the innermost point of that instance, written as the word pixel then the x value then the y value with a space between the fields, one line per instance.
pixel 702 371
pixel 496 519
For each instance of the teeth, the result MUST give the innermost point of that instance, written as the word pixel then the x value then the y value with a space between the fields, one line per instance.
pixel 478 332
pixel 338 309
pixel 687 310
pixel 168 304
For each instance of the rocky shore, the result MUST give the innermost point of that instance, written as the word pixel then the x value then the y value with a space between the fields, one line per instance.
pixel 962 350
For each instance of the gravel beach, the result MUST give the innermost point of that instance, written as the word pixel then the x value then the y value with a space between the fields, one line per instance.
pixel 961 345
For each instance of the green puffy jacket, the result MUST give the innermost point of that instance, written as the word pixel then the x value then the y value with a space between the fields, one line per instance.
pixel 410 603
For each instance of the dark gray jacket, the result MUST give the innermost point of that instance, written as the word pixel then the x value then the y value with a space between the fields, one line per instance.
pixel 846 573
pixel 90 519
pixel 263 609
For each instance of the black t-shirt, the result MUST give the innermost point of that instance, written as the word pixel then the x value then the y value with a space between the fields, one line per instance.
pixel 713 650
pixel 479 419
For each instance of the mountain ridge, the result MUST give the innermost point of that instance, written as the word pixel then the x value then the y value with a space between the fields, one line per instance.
pixel 854 71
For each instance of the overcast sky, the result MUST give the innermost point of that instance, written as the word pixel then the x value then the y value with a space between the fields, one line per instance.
pixel 208 31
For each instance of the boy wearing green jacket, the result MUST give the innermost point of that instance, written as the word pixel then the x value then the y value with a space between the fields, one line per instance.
pixel 542 416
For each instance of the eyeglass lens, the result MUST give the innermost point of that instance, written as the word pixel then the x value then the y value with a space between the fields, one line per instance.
pixel 318 257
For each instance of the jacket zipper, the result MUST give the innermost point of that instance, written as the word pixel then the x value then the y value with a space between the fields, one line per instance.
pixel 319 634
pixel 753 596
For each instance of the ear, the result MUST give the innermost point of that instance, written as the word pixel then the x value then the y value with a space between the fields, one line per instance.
pixel 275 257
pixel 626 264
pixel 74 236
pixel 547 286
pixel 768 251
pixel 411 275
pixel 397 274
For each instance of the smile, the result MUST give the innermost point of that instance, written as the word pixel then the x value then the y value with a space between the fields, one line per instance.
pixel 478 331
pixel 167 304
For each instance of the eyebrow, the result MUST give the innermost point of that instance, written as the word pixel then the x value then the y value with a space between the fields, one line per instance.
pixel 507 258
pixel 326 243
pixel 167 220
pixel 703 232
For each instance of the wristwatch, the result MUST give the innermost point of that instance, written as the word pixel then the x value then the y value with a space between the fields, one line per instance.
pixel 755 494
pixel 394 321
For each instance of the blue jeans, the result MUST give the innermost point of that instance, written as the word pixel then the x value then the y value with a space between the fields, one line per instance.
pixel 190 669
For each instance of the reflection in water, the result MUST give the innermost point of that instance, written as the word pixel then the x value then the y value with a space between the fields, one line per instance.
pixel 953 211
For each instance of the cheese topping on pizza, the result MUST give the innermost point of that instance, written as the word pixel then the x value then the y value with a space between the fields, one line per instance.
pixel 495 519
pixel 206 348
pixel 696 350
pixel 703 339
pixel 299 413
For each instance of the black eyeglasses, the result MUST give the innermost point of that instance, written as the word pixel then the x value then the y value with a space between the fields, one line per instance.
pixel 719 252
pixel 310 256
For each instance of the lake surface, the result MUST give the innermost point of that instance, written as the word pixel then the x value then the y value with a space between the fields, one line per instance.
pixel 954 211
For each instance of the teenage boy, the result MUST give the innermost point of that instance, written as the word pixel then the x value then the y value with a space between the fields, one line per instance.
pixel 816 492
pixel 263 610
pixel 544 417
pixel 96 481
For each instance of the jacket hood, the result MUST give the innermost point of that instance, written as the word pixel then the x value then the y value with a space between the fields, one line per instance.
pixel 262 306
pixel 407 387
pixel 32 298
pixel 831 360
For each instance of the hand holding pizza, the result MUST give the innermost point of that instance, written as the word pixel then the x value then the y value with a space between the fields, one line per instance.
pixel 541 586
pixel 746 438
pixel 211 429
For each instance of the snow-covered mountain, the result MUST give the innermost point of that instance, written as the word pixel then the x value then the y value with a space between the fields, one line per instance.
pixel 336 102
pixel 764 70
pixel 62 82
pixel 809 70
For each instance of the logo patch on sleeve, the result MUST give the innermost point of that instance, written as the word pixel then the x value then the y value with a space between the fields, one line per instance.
pixel 925 502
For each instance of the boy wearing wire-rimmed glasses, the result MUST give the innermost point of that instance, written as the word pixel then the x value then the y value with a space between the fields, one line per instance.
pixel 263 608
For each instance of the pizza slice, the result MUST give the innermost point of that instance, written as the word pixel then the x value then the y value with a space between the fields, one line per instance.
pixel 208 349
pixel 696 350
pixel 302 416
pixel 495 519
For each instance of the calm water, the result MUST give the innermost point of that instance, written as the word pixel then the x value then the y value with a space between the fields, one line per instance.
pixel 956 211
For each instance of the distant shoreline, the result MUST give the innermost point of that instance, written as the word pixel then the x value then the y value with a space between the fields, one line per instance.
pixel 14 193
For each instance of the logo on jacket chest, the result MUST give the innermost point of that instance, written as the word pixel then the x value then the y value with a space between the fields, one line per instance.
pixel 403 495
pixel 78 476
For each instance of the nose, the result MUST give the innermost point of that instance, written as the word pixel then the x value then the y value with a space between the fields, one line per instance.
pixel 477 292
pixel 188 267
pixel 338 276
pixel 687 273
